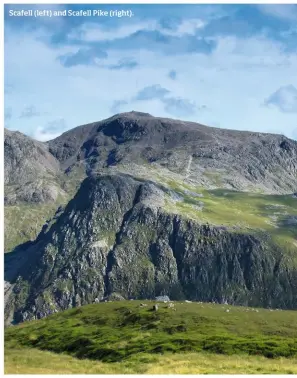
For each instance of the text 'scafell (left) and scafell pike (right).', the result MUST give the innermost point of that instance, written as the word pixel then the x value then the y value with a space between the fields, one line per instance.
pixel 69 13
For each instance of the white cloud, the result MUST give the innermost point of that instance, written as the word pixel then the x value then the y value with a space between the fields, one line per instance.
pixel 283 11
pixel 188 26
pixel 232 82
pixel 285 99
pixel 92 32
pixel 44 136
pixel 29 112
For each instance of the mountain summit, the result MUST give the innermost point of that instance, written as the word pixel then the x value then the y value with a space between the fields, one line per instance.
pixel 149 206
pixel 235 159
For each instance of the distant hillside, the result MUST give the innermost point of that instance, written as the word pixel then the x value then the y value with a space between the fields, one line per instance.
pixel 30 171
pixel 34 187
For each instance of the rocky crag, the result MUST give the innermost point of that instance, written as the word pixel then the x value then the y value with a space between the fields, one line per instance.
pixel 203 155
pixel 156 216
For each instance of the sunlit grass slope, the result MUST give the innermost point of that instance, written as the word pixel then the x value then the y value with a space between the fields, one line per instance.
pixel 32 361
pixel 125 335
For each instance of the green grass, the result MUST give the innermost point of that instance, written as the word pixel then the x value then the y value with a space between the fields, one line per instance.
pixel 240 211
pixel 33 361
pixel 24 222
pixel 121 331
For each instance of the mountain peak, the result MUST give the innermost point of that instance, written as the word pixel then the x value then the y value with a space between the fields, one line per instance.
pixel 132 114
pixel 137 114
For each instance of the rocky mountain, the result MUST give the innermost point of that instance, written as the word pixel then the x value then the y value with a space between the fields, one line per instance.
pixel 114 237
pixel 164 207
pixel 203 155
pixel 34 187
pixel 30 170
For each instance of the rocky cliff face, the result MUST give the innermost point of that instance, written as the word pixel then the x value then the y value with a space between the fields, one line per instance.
pixel 48 174
pixel 115 237
pixel 34 187
pixel 203 155
pixel 30 171
pixel 200 213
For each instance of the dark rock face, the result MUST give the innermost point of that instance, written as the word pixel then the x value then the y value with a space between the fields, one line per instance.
pixel 26 159
pixel 30 171
pixel 244 159
pixel 114 237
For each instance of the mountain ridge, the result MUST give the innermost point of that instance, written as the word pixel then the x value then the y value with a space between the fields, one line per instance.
pixel 150 206
pixel 241 158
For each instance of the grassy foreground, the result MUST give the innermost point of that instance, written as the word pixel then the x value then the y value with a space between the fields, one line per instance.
pixel 32 361
pixel 125 337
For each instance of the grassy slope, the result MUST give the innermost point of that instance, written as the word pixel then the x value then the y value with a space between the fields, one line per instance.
pixel 32 361
pixel 24 222
pixel 126 333
pixel 243 211
pixel 240 211
pixel 246 211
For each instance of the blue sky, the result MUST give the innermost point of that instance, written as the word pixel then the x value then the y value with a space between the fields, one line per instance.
pixel 231 66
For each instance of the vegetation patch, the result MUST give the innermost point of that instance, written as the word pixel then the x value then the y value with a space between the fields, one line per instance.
pixel 34 361
pixel 118 331
pixel 238 211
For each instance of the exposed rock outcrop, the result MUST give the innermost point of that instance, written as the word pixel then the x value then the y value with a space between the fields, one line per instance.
pixel 114 237
pixel 30 170
pixel 205 155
